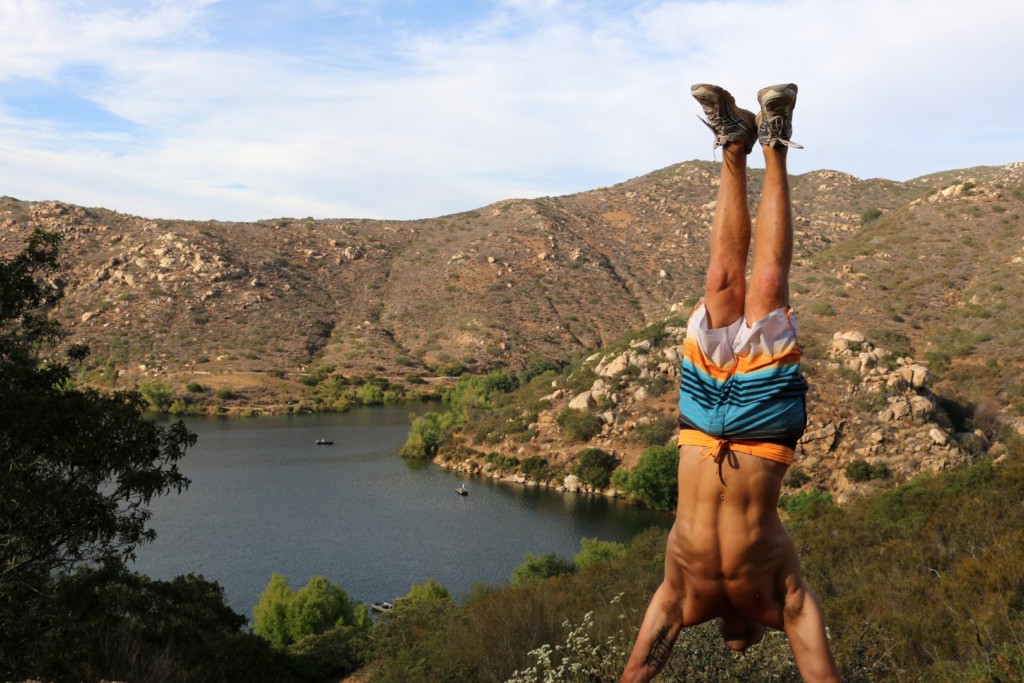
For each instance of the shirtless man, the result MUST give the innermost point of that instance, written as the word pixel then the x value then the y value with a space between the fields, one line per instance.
pixel 741 412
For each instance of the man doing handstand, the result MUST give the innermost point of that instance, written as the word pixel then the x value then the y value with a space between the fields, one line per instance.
pixel 741 412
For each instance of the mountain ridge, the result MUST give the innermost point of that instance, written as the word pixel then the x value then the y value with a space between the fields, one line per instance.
pixel 264 315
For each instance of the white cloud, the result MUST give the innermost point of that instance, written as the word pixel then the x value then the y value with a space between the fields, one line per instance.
pixel 537 97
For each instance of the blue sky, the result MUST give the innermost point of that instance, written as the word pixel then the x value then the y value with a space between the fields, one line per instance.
pixel 240 110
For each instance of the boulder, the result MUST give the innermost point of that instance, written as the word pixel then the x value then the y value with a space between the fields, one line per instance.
pixel 897 410
pixel 921 406
pixel 582 401
pixel 615 366
pixel 672 354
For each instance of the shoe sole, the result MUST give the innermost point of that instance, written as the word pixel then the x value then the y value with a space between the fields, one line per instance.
pixel 773 92
pixel 706 91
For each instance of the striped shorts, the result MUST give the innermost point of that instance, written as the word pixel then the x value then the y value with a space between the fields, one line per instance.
pixel 743 381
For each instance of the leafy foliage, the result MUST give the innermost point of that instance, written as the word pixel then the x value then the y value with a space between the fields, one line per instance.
pixel 429 590
pixel 656 432
pixel 593 550
pixel 538 567
pixel 284 616
pixel 806 501
pixel 655 479
pixel 472 398
pixel 861 470
pixel 428 433
pixel 535 467
pixel 594 467
pixel 79 469
pixel 872 214
pixel 580 425
pixel 111 623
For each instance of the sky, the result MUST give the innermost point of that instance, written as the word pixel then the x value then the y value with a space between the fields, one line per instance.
pixel 252 109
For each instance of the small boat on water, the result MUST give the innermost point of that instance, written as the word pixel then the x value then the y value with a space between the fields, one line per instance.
pixel 324 442
pixel 462 490
pixel 382 606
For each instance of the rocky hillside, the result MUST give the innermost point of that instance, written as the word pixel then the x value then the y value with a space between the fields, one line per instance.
pixel 260 313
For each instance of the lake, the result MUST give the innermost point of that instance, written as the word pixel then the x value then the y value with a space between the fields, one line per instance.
pixel 264 498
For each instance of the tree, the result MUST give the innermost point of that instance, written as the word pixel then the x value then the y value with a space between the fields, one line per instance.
pixel 128 627
pixel 158 395
pixel 593 550
pixel 594 467
pixel 79 468
pixel 539 567
pixel 271 612
pixel 429 432
pixel 430 590
pixel 655 479
pixel 283 616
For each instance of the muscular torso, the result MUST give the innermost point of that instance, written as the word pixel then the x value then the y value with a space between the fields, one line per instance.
pixel 729 551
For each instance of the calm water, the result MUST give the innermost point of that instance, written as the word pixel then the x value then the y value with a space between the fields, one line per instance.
pixel 265 498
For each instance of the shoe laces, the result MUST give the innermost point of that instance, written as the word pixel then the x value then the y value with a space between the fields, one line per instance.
pixel 722 138
pixel 776 125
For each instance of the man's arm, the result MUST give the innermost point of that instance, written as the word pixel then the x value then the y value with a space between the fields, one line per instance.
pixel 662 624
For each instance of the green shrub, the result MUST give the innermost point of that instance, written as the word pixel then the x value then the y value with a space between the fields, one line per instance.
pixel 331 655
pixel 539 567
pixel 158 395
pixel 429 590
pixel 535 467
pixel 283 616
pixel 370 394
pixel 655 479
pixel 428 433
pixel 502 462
pixel 657 432
pixel 860 470
pixel 580 425
pixel 594 467
pixel 822 308
pixel 806 501
pixel 452 369
pixel 195 387
pixel 796 478
pixel 870 215
pixel 593 550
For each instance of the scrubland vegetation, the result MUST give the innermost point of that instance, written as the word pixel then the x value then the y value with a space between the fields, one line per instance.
pixel 920 583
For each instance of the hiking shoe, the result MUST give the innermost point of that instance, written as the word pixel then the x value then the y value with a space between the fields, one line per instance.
pixel 775 121
pixel 728 122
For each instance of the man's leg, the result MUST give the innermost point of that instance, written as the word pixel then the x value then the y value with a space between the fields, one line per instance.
pixel 735 129
pixel 773 238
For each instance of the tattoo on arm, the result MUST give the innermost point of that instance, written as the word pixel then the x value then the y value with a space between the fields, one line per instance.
pixel 660 649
